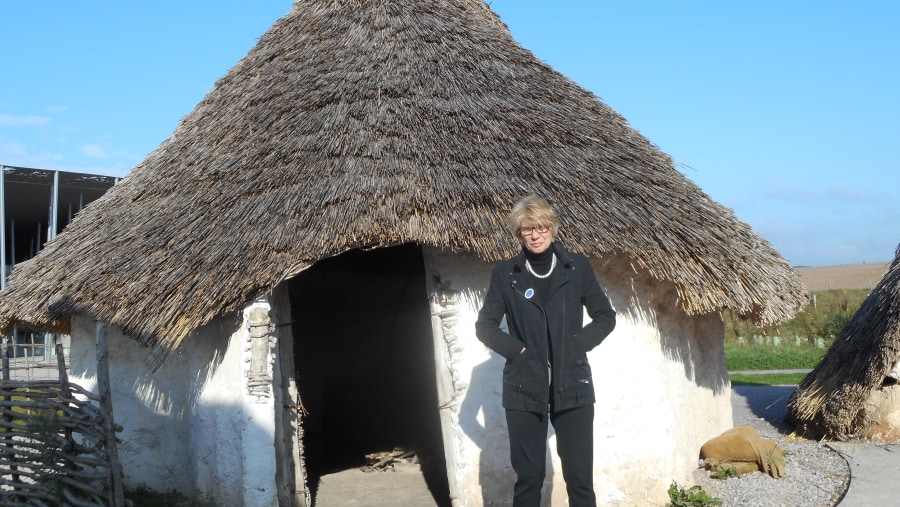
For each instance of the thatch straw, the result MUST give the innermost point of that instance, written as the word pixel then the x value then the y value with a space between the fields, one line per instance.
pixel 371 124
pixel 830 401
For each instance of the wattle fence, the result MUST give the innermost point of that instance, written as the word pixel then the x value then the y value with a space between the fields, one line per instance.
pixel 57 443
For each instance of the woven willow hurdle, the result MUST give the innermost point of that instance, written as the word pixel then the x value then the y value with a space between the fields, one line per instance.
pixel 57 444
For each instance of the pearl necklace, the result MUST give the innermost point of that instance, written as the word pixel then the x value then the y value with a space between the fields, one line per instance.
pixel 552 265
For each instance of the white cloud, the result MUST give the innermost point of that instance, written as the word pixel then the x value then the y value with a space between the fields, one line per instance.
pixel 11 149
pixel 33 120
pixel 93 151
pixel 780 191
pixel 852 195
pixel 815 193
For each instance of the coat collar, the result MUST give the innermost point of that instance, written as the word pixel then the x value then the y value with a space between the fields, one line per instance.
pixel 564 262
pixel 564 258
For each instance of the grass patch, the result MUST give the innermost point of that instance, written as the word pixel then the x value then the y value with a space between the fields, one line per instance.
pixel 786 356
pixel 767 379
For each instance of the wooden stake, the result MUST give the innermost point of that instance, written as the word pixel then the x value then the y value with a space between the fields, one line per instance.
pixel 103 389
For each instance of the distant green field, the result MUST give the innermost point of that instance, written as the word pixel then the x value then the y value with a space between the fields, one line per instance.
pixel 799 343
pixel 825 315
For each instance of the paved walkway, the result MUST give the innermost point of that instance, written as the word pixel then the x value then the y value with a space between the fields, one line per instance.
pixel 874 472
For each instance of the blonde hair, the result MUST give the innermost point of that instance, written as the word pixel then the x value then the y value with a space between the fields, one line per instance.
pixel 535 211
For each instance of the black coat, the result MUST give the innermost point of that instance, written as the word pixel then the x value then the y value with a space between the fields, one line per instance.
pixel 573 285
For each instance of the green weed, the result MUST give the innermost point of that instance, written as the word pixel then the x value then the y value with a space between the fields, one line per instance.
pixel 725 474
pixel 691 497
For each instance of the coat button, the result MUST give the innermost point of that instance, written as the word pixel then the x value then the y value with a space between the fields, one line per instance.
pixel 579 362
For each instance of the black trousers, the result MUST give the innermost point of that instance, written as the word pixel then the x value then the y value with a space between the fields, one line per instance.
pixel 574 445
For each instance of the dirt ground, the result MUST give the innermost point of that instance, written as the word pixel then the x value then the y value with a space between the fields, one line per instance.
pixel 405 487
pixel 845 276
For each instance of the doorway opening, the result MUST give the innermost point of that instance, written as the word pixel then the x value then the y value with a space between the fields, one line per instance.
pixel 364 363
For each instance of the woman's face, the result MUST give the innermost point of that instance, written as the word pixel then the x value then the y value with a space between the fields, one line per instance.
pixel 536 239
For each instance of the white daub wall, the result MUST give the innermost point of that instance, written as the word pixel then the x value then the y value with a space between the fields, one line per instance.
pixel 192 426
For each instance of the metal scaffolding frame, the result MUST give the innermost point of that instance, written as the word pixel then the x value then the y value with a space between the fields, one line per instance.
pixel 30 215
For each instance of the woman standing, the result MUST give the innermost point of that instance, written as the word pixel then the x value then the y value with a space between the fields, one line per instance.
pixel 542 292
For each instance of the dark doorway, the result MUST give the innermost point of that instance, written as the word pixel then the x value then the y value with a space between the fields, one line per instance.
pixel 364 362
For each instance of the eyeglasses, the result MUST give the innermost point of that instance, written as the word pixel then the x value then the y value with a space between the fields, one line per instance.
pixel 527 231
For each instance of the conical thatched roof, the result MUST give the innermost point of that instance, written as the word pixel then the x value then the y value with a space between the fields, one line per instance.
pixel 365 124
pixel 829 402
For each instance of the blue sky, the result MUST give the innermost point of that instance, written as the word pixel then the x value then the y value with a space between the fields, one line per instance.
pixel 786 112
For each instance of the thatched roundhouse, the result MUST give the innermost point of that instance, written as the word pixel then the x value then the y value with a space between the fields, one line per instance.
pixel 314 240
pixel 853 392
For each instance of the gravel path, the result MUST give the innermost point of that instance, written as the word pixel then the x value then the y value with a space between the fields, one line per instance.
pixel 816 475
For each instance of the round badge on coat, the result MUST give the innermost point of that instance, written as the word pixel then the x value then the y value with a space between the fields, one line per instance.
pixel 529 293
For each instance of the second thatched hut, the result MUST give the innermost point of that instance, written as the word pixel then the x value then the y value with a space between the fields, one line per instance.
pixel 854 391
